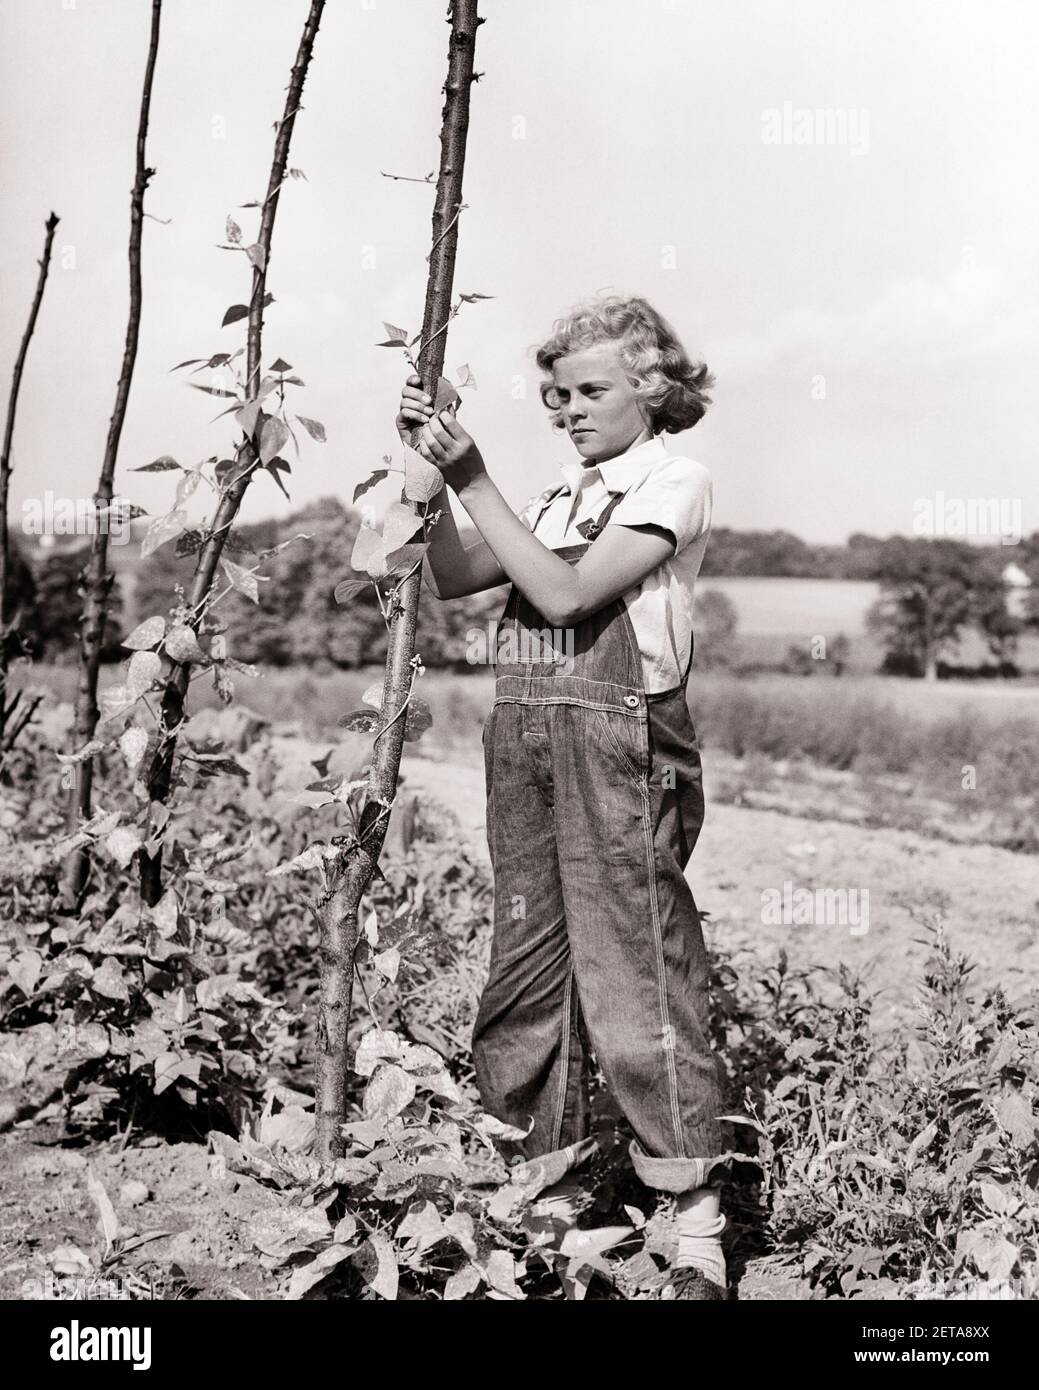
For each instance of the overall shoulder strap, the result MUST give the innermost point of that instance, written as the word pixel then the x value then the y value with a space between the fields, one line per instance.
pixel 591 529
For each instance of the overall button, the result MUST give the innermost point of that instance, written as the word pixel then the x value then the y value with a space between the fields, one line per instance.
pixel 632 701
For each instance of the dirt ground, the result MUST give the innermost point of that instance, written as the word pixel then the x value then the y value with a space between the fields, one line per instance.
pixel 987 897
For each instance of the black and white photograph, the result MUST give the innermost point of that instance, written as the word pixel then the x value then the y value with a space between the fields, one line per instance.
pixel 519 667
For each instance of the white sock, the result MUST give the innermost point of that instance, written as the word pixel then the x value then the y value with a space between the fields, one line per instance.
pixel 700 1225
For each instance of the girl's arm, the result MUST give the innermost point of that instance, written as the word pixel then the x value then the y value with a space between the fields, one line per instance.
pixel 564 594
pixel 457 564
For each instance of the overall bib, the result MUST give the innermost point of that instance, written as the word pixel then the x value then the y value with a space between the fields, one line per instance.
pixel 594 803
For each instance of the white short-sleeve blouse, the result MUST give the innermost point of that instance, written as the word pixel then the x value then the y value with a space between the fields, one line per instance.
pixel 660 489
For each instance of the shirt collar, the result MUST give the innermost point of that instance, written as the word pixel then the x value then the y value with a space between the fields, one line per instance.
pixel 617 473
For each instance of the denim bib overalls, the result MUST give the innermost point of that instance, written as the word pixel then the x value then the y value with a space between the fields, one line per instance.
pixel 594 804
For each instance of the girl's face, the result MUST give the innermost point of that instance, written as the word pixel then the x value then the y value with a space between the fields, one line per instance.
pixel 598 406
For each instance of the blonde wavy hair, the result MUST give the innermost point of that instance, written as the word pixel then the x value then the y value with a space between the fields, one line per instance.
pixel 672 388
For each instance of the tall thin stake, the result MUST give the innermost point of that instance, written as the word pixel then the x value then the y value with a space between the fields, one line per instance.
pixel 177 674
pixel 5 467
pixel 338 914
pixel 98 579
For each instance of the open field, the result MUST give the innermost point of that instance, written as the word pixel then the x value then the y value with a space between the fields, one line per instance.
pixel 775 614
pixel 958 759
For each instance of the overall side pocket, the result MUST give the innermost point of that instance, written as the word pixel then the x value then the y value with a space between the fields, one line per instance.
pixel 629 740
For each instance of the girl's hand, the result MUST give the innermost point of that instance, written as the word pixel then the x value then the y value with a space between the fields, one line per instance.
pixel 415 407
pixel 444 442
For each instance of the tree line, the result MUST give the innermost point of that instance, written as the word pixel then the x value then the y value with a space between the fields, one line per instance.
pixel 930 590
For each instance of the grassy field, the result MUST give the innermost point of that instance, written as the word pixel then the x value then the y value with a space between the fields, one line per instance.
pixel 955 754
pixel 775 614
pixel 721 699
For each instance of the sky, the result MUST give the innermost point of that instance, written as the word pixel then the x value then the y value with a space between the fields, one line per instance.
pixel 862 282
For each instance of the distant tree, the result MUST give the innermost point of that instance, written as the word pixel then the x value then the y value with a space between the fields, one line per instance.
pixel 297 621
pixel 798 661
pixel 759 553
pixel 838 652
pixel 990 609
pixel 930 591
pixel 22 637
pixel 1029 562
pixel 714 625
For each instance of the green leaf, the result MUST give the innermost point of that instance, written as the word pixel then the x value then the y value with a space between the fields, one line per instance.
pixel 167 1069
pixel 232 231
pixel 187 484
pixel 367 543
pixel 372 478
pixel 462 1282
pixel 390 1089
pixel 125 840
pixel 422 479
pixel 132 744
pixel 446 396
pixel 144 670
pixel 247 417
pixel 213 390
pixel 377 1265
pixel 280 366
pixel 399 525
pixel 182 645
pixel 257 255
pixel 108 980
pixel 307 1276
pixel 472 298
pixel 272 438
pixel 191 362
pixel 146 634
pixel 923 1141
pixel 1016 1115
pixel 396 335
pixel 272 469
pixel 244 580
pixel 25 970
pixel 241 311
pixel 417 720
pixel 359 721
pixel 465 376
pixel 189 543
pixel 314 428
pixel 401 561
pixel 216 765
pixel 107 1221
pixel 348 589
pixel 163 464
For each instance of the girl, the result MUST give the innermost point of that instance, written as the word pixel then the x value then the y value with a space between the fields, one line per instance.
pixel 594 786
